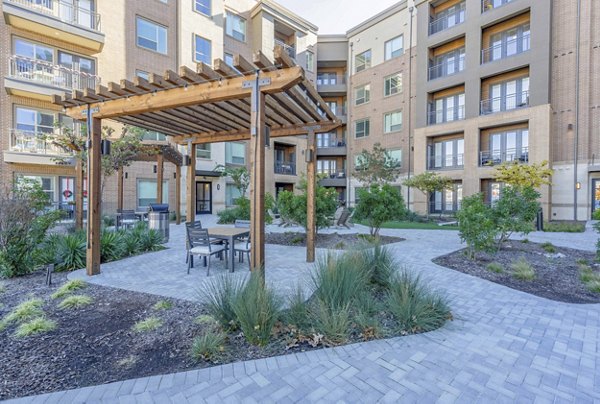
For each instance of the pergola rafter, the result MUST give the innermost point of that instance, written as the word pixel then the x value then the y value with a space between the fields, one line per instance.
pixel 246 101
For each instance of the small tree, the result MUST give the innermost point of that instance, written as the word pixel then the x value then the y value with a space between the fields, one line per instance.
pixel 515 212
pixel 376 166
pixel 524 175
pixel 379 204
pixel 428 183
pixel 239 175
pixel 476 225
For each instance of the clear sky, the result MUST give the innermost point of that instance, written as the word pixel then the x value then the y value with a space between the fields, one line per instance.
pixel 336 16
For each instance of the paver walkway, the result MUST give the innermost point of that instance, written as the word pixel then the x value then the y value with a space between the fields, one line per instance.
pixel 503 346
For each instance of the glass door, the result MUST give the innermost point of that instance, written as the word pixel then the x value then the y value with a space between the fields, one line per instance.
pixel 66 195
pixel 203 198
pixel 596 195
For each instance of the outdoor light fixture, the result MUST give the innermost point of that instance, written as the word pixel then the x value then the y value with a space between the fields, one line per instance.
pixel 578 185
pixel 105 147
pixel 126 175
pixel 174 175
pixel 186 160
pixel 309 156
pixel 154 168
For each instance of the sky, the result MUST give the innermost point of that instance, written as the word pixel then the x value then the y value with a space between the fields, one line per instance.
pixel 336 16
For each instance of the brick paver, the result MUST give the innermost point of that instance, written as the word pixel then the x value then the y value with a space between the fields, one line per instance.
pixel 503 346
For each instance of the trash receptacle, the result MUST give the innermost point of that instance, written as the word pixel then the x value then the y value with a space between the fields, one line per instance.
pixel 158 219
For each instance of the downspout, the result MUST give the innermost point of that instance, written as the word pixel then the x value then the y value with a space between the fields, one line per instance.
pixel 576 137
pixel 349 129
pixel 410 10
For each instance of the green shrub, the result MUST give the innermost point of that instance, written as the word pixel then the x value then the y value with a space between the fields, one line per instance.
pixel 241 210
pixel 111 246
pixel 68 288
pixel 206 320
pixel 151 240
pixel 548 247
pixel 108 220
pixel 220 293
pixel 148 324
pixel 131 243
pixel 414 307
pixel 257 308
pixel 586 274
pixel 495 267
pixel 378 262
pixel 476 225
pixel 75 302
pixel 596 214
pixel 47 252
pixel 297 313
pixel 379 204
pixel 292 206
pixel 368 324
pixel 565 227
pixel 163 305
pixel 71 252
pixel 366 304
pixel 515 211
pixel 25 311
pixel 37 325
pixel 208 345
pixel 594 286
pixel 333 322
pixel 523 270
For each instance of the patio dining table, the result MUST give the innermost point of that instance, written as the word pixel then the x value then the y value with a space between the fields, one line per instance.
pixel 229 234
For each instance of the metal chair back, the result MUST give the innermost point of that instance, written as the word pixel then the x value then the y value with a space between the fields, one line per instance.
pixel 244 224
pixel 198 238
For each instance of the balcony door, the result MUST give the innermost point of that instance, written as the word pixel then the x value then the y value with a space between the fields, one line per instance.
pixel 203 198
pixel 79 71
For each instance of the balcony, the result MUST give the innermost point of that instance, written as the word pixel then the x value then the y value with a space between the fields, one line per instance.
pixel 60 19
pixel 454 162
pixel 441 23
pixel 446 115
pixel 447 68
pixel 506 49
pixel 33 147
pixel 332 86
pixel 290 49
pixel 495 157
pixel 285 167
pixel 34 77
pixel 487 5
pixel 331 147
pixel 333 178
pixel 506 103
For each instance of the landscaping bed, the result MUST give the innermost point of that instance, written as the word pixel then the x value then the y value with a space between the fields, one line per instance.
pixel 332 241
pixel 559 273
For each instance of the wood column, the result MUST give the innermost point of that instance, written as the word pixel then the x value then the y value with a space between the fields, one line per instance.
pixel 120 188
pixel 178 194
pixel 257 181
pixel 94 197
pixel 190 215
pixel 79 194
pixel 311 186
pixel 160 166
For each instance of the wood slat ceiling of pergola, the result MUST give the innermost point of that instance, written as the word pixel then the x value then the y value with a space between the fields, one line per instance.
pixel 210 104
pixel 149 152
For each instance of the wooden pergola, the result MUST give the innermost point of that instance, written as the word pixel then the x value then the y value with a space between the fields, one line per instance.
pixel 253 100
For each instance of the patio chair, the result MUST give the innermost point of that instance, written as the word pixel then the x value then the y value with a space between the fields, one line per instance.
pixel 126 218
pixel 199 242
pixel 275 217
pixel 336 216
pixel 242 249
pixel 198 225
pixel 343 220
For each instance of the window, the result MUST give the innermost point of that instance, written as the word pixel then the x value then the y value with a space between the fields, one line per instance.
pixel 362 94
pixel 394 47
pixel 203 151
pixel 446 154
pixel 151 36
pixel 146 192
pixel 510 145
pixel 447 18
pixel 508 43
pixel 34 51
pixel 392 84
pixel 202 50
pixel 360 162
pixel 506 96
pixel 34 122
pixel 494 192
pixel 235 153
pixel 327 167
pixel 362 128
pixel 153 135
pixel 394 157
pixel 142 74
pixel 310 61
pixel 447 201
pixel 327 79
pixel 447 64
pixel 392 122
pixel 447 109
pixel 362 61
pixel 229 59
pixel 202 6
pixel 231 194
pixel 47 184
pixel 235 26
pixel 77 64
pixel 487 5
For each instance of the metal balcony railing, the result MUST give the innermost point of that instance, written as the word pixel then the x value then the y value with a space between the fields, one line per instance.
pixel 487 5
pixel 446 115
pixel 290 49
pixel 448 21
pixel 50 74
pixel 506 49
pixel 455 162
pixel 66 11
pixel 285 167
pixel 447 68
pixel 506 103
pixel 331 143
pixel 330 80
pixel 23 141
pixel 444 208
pixel 494 157
pixel 333 174
pixel 339 111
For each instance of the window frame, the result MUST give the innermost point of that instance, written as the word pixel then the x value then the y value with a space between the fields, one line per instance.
pixel 196 38
pixel 139 19
pixel 389 114
pixel 367 61
pixel 229 14
pixel 390 42
pixel 230 153
pixel 150 180
pixel 389 78
pixel 366 97
pixel 366 128
pixel 207 151
pixel 195 8
pixel 389 154
pixel 310 61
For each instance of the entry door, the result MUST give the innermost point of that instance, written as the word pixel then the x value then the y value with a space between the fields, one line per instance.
pixel 596 195
pixel 203 198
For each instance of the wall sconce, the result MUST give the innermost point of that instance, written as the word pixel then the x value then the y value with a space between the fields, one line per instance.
pixel 105 147
pixel 126 175
pixel 154 169
pixel 186 160
pixel 578 185
pixel 175 176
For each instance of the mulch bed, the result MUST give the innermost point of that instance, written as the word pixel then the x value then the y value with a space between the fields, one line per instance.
pixel 556 274
pixel 332 241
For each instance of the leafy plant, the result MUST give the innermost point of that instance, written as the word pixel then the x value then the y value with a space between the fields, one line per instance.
pixel 25 311
pixel 297 313
pixel 47 252
pixel 150 240
pixel 378 262
pixel 257 309
pixel 515 212
pixel 548 247
pixel 163 305
pixel 589 278
pixel 130 243
pixel 108 220
pixel 376 167
pixel 68 288
pixel 292 207
pixel 220 294
pixel 369 325
pixel 148 324
pixel 37 325
pixel 334 322
pixel 71 252
pixel 495 267
pixel 111 246
pixel 565 227
pixel 596 214
pixel 75 302
pixel 523 270
pixel 428 183
pixel 476 225
pixel 208 345
pixel 532 175
pixel 379 204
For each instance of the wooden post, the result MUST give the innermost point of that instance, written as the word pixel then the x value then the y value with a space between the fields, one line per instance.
pixel 120 188
pixel 311 186
pixel 159 177
pixel 94 178
pixel 257 181
pixel 178 194
pixel 190 215
pixel 79 194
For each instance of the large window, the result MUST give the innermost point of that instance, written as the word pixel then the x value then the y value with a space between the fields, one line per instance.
pixel 235 153
pixel 34 51
pixel 235 26
pixel 146 192
pixel 231 194
pixel 508 43
pixel 33 121
pixel 362 61
pixel 446 154
pixel 310 61
pixel 151 36
pixel 447 64
pixel 394 157
pixel 392 122
pixel 392 84
pixel 447 201
pixel 505 96
pixel 447 18
pixel 202 6
pixel 47 184
pixel 202 50
pixel 327 79
pixel 153 135
pixel 327 167
pixel 510 145
pixel 394 47
pixel 447 109
pixel 203 151
pixel 362 128
pixel 362 94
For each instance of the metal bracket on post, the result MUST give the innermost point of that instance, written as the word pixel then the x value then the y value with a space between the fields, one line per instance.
pixel 255 85
pixel 310 130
